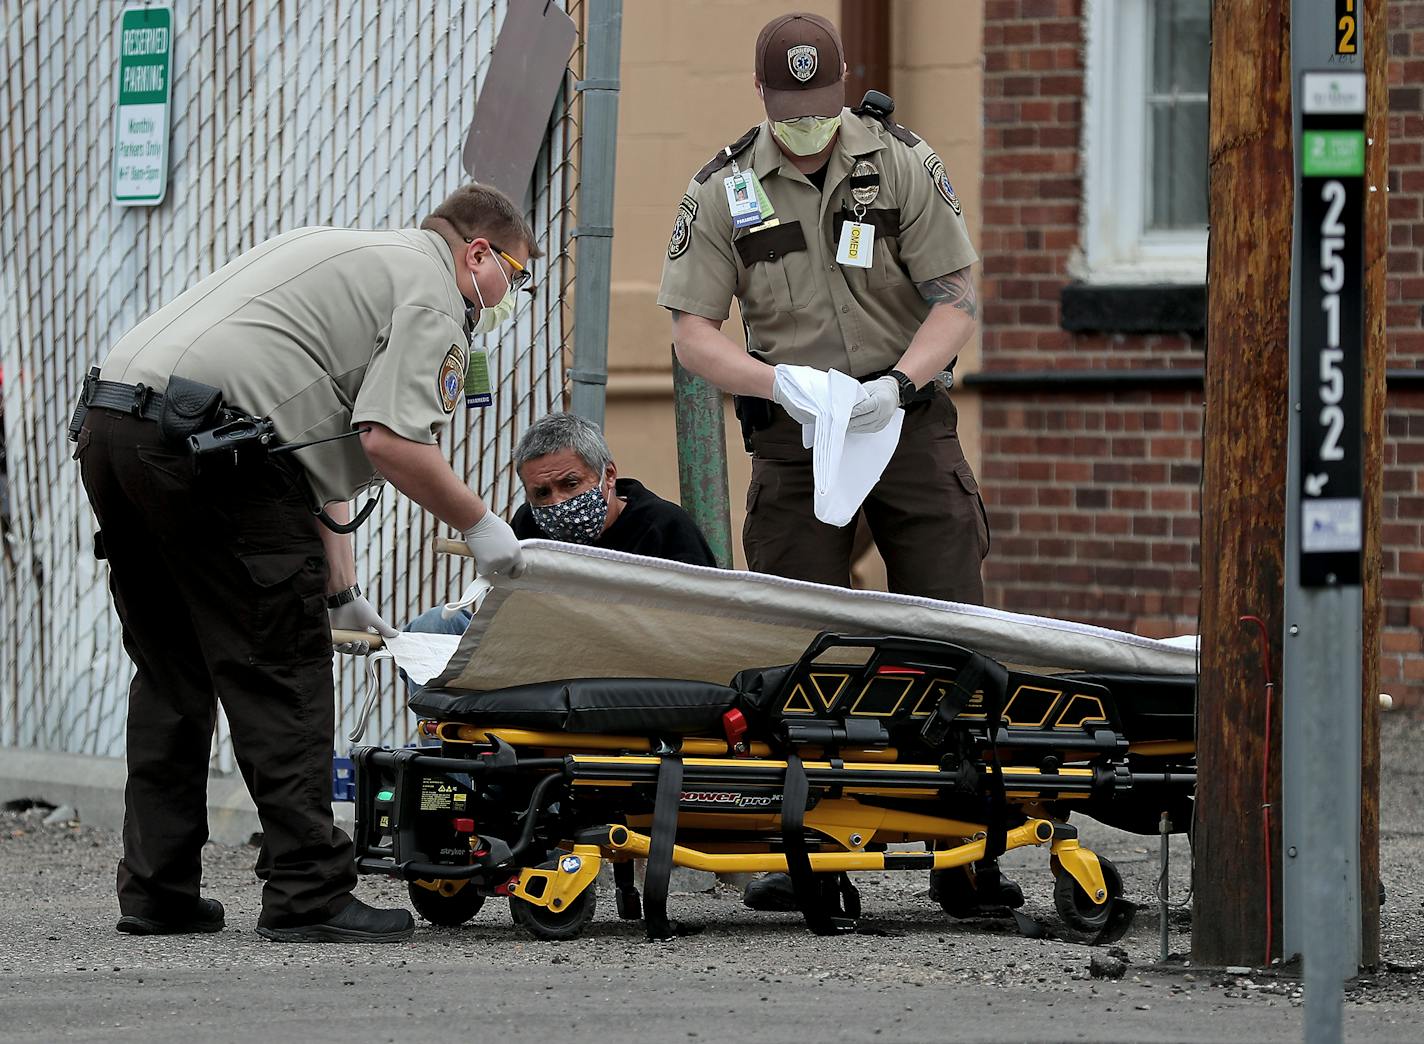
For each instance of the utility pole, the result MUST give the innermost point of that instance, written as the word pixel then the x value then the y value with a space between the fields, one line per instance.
pixel 1244 479
pixel 1315 587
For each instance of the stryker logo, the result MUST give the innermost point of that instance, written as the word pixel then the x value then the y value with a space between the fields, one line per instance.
pixel 730 798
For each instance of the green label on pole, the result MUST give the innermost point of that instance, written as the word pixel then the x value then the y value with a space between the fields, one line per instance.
pixel 145 88
pixel 1333 154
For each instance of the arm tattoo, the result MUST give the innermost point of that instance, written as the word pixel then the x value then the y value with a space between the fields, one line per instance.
pixel 956 289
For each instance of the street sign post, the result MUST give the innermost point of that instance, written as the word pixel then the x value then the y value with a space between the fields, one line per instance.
pixel 1322 654
pixel 145 82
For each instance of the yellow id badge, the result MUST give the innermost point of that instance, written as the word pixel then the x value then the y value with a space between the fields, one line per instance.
pixel 477 380
pixel 857 246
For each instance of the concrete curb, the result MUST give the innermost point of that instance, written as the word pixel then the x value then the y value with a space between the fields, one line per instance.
pixel 95 787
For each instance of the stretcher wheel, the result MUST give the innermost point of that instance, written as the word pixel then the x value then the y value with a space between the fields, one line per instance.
pixel 544 923
pixel 1076 907
pixel 450 905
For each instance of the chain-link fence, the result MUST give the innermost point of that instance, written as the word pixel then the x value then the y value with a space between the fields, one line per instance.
pixel 348 112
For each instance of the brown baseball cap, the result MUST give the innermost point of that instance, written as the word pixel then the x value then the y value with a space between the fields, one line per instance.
pixel 799 57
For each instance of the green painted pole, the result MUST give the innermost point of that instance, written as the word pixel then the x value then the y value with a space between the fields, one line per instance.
pixel 702 459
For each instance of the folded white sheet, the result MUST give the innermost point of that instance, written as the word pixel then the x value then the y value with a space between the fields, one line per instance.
pixel 845 466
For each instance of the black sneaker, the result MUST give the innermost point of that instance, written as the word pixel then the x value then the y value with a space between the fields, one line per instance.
pixel 356 923
pixel 771 892
pixel 207 916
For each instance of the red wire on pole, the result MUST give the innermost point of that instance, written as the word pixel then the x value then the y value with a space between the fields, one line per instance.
pixel 1266 782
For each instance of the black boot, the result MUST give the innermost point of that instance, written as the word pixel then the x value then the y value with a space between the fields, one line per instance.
pixel 356 923
pixel 771 892
pixel 207 916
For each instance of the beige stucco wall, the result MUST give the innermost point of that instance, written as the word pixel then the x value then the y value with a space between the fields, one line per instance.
pixel 686 92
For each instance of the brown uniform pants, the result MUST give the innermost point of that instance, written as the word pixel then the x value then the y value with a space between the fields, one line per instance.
pixel 219 582
pixel 925 513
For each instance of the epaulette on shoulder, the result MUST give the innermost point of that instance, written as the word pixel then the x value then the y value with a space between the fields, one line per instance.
pixel 878 107
pixel 719 161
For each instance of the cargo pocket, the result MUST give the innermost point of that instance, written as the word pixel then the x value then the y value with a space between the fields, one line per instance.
pixel 965 474
pixel 288 607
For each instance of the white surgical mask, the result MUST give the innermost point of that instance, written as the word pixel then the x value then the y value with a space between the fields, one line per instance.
pixel 807 135
pixel 492 317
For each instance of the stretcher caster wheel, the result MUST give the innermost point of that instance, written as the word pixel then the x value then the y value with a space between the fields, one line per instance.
pixel 1076 907
pixel 557 925
pixel 446 903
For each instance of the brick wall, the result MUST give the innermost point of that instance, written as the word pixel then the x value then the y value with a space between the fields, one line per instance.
pixel 1402 655
pixel 1093 496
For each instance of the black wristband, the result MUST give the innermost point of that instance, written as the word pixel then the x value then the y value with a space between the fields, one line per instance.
pixel 907 386
pixel 346 597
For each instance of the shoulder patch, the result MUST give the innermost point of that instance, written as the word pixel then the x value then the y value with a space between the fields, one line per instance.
pixel 940 177
pixel 682 228
pixel 451 381
pixel 720 160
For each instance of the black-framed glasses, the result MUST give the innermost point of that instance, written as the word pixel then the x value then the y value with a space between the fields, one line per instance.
pixel 522 276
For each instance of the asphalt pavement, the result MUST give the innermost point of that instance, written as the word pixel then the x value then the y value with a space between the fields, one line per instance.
pixel 66 975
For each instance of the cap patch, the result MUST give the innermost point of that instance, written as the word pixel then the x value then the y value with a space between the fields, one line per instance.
pixel 802 60
pixel 451 382
pixel 940 177
pixel 682 228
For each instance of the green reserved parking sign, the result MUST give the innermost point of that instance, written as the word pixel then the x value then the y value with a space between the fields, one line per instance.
pixel 145 83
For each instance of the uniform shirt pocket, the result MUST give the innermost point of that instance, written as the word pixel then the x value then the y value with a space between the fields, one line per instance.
pixel 778 267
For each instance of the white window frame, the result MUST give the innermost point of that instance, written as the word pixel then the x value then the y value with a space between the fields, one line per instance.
pixel 1115 246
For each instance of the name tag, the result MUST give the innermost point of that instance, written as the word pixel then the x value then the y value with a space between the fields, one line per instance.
pixel 857 246
pixel 477 380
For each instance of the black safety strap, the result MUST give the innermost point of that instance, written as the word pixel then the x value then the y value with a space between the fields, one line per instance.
pixel 798 863
pixel 664 833
pixel 995 683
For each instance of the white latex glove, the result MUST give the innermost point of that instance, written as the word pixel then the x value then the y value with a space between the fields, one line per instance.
pixel 879 400
pixel 359 615
pixel 495 547
pixel 780 397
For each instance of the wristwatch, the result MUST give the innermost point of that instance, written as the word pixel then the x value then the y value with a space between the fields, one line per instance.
pixel 907 386
pixel 346 597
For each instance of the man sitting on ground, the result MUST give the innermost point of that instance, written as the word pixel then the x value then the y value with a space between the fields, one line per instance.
pixel 573 493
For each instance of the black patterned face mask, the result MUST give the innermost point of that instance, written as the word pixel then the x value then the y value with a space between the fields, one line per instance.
pixel 578 520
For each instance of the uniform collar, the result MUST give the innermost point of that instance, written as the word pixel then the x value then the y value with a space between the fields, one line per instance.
pixel 855 139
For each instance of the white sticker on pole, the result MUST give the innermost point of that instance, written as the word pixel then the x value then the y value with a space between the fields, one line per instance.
pixel 145 82
pixel 1330 525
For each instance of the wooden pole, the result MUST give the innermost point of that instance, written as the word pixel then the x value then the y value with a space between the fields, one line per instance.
pixel 865 30
pixel 1244 449
pixel 1376 62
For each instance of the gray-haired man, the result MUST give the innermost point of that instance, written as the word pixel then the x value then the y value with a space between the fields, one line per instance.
pixel 573 493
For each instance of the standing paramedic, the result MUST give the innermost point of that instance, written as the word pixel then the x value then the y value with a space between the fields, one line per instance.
pixel 226 582
pixel 849 252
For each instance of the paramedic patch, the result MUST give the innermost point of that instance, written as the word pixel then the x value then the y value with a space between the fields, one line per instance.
pixel 802 61
pixel 940 177
pixel 682 227
pixel 451 383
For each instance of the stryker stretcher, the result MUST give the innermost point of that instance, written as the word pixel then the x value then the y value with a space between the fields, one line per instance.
pixel 892 720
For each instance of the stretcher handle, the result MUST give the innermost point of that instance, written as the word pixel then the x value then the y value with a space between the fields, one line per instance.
pixel 340 636
pixel 447 546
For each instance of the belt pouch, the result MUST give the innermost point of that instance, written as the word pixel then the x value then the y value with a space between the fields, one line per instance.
pixel 188 408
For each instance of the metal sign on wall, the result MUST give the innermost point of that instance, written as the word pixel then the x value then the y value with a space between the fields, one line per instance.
pixel 1331 324
pixel 145 89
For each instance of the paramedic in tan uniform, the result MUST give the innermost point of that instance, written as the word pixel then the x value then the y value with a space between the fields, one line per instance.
pixel 895 325
pixel 226 583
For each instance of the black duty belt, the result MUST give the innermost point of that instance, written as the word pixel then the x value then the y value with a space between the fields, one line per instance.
pixel 137 399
